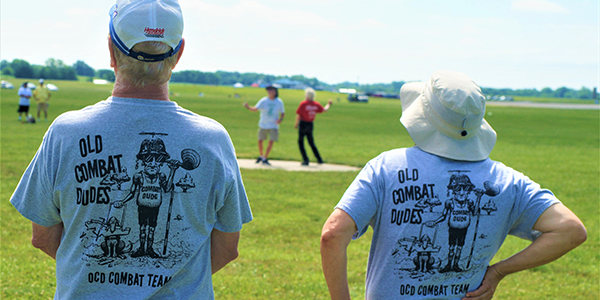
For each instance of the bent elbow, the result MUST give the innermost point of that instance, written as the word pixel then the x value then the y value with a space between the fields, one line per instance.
pixel 574 233
pixel 327 237
pixel 330 238
pixel 39 243
pixel 233 255
pixel 579 235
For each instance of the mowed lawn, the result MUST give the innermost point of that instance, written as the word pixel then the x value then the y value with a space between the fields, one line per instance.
pixel 279 250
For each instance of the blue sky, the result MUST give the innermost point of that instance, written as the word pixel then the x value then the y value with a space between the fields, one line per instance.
pixel 501 44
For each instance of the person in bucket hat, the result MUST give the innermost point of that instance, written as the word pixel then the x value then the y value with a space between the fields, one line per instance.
pixel 169 241
pixel 445 118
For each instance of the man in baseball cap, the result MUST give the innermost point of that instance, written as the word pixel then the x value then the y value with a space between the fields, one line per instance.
pixel 444 117
pixel 272 112
pixel 104 246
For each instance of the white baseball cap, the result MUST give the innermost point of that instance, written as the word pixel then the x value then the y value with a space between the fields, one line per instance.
pixel 444 117
pixel 136 21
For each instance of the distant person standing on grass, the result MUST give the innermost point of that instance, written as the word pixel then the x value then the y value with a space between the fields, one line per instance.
pixel 443 252
pixel 24 95
pixel 150 239
pixel 42 95
pixel 271 115
pixel 305 117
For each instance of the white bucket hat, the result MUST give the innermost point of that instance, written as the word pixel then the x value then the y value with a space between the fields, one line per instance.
pixel 133 22
pixel 445 117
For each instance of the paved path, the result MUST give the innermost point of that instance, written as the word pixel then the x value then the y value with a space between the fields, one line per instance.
pixel 293 166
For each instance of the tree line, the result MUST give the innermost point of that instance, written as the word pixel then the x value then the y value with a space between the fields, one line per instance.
pixel 56 69
pixel 53 69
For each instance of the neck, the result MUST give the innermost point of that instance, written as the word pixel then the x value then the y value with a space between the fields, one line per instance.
pixel 154 92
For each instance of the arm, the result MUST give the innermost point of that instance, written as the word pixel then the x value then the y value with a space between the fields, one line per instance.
pixel 223 248
pixel 297 121
pixel 335 237
pixel 47 239
pixel 280 118
pixel 251 108
pixel 135 185
pixel 326 108
pixel 561 231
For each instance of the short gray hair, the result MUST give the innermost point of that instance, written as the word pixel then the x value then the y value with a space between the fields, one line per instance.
pixel 310 93
pixel 138 73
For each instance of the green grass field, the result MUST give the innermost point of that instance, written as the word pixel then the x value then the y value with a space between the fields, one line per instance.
pixel 279 250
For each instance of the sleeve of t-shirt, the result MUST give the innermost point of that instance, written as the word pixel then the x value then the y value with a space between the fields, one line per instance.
pixel 531 202
pixel 362 198
pixel 235 209
pixel 259 104
pixel 300 108
pixel 34 197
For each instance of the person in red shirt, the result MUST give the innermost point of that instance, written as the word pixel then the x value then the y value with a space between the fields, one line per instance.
pixel 305 116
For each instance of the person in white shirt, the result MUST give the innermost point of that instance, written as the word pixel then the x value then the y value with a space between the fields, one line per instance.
pixel 271 115
pixel 24 95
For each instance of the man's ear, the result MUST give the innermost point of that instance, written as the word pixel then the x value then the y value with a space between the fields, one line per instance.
pixel 180 52
pixel 113 60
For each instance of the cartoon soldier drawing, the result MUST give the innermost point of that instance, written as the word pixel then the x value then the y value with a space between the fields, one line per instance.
pixel 458 210
pixel 147 188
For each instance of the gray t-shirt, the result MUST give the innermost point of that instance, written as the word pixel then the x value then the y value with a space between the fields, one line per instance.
pixel 133 227
pixel 436 222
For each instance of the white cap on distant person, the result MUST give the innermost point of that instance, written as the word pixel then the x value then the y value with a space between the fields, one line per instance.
pixel 445 117
pixel 136 21
pixel 41 80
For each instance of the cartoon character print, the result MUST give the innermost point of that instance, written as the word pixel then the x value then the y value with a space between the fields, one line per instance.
pixel 423 262
pixel 423 254
pixel 153 189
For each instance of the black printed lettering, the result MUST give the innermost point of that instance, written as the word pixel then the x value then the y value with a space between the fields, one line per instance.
pixel 98 195
pixel 459 289
pixel 406 175
pixel 398 196
pixel 407 289
pixel 86 147
pixel 96 277
pixel 98 168
pixel 412 216
pixel 432 290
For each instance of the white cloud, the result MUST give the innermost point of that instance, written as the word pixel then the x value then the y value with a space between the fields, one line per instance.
pixel 540 6
pixel 372 24
pixel 471 30
pixel 62 25
pixel 79 12
pixel 254 11
pixel 271 50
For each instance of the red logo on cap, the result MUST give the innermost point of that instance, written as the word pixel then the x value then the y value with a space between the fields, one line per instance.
pixel 154 32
